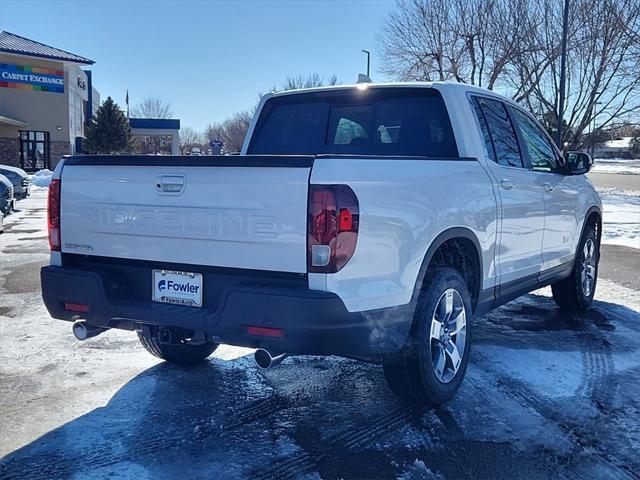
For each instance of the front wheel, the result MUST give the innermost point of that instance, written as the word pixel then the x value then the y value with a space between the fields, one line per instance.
pixel 575 293
pixel 181 353
pixel 431 367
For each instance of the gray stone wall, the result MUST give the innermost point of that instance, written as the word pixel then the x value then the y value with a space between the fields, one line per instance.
pixel 10 151
pixel 58 149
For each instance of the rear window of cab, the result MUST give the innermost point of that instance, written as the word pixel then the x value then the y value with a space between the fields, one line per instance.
pixel 383 121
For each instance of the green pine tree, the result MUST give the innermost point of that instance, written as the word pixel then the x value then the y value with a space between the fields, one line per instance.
pixel 109 130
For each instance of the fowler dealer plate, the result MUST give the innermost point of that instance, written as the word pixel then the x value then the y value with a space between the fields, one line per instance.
pixel 178 288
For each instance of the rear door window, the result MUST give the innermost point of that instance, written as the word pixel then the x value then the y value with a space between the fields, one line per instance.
pixel 406 121
pixel 503 135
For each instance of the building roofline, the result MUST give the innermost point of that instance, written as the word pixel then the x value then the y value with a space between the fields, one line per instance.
pixel 154 123
pixel 76 58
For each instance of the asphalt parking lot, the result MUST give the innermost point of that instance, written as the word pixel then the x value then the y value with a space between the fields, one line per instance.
pixel 546 396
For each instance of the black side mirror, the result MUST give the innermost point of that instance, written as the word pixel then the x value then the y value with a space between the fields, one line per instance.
pixel 578 163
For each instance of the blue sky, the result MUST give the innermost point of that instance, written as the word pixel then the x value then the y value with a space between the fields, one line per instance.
pixel 209 59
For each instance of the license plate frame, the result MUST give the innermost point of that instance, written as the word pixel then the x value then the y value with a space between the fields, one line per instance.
pixel 177 288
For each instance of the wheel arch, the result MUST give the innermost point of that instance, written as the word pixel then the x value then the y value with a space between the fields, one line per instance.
pixel 594 214
pixel 465 238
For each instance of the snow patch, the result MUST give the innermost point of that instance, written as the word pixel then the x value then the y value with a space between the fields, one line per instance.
pixel 616 165
pixel 557 375
pixel 621 217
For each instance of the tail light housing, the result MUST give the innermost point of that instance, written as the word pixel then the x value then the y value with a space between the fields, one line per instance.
pixel 332 225
pixel 53 215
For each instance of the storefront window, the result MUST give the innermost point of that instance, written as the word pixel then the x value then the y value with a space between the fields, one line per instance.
pixel 34 150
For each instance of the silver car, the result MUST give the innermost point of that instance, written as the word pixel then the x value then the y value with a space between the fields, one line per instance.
pixel 19 180
pixel 7 202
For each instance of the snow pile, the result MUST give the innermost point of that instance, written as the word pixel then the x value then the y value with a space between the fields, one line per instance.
pixel 42 178
pixel 621 217
pixel 623 166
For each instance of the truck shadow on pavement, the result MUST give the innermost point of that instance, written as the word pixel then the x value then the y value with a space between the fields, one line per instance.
pixel 336 418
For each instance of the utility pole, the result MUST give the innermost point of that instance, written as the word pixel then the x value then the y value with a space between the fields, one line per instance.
pixel 368 61
pixel 593 130
pixel 563 67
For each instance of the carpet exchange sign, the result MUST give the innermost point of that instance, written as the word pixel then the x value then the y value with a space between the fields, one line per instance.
pixel 31 78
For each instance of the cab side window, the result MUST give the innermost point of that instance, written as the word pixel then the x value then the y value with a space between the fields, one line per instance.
pixel 488 144
pixel 503 137
pixel 542 155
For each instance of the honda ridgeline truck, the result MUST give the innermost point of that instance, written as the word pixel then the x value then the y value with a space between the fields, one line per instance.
pixel 369 221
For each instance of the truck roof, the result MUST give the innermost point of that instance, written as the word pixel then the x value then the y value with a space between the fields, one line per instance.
pixel 448 84
pixel 363 86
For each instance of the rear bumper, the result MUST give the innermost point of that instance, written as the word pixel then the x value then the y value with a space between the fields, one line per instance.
pixel 20 191
pixel 7 204
pixel 23 193
pixel 312 322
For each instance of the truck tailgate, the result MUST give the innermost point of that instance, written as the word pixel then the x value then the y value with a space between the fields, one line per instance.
pixel 233 213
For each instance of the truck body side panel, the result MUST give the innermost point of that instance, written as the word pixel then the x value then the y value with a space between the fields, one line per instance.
pixel 404 205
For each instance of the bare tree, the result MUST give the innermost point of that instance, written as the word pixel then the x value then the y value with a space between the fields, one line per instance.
pixel 514 45
pixel 152 107
pixel 190 138
pixel 230 132
pixel 311 80
pixel 463 40
pixel 603 66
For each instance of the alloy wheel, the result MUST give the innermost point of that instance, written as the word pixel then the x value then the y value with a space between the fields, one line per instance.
pixel 588 272
pixel 448 335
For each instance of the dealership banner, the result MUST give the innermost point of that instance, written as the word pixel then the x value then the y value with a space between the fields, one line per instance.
pixel 24 77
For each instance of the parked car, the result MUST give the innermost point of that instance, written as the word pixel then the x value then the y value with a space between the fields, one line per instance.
pixel 196 151
pixel 19 179
pixel 372 222
pixel 7 201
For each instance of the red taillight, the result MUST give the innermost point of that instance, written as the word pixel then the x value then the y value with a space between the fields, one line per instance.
pixel 346 220
pixel 332 227
pixel 53 215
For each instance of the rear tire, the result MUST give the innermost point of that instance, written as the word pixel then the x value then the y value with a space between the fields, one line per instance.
pixel 181 354
pixel 431 367
pixel 575 293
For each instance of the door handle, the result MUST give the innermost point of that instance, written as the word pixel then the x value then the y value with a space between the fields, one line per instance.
pixel 548 187
pixel 170 184
pixel 507 184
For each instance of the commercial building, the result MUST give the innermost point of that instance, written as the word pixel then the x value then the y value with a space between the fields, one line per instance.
pixel 46 98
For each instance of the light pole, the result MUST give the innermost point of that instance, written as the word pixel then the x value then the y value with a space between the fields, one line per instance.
pixel 368 53
pixel 593 130
pixel 563 67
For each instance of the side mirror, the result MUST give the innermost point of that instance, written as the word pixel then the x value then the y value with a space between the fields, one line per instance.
pixel 578 163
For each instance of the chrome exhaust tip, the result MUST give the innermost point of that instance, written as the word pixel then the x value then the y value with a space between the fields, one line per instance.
pixel 264 359
pixel 83 331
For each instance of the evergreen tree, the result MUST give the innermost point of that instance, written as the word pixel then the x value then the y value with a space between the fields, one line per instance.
pixel 109 130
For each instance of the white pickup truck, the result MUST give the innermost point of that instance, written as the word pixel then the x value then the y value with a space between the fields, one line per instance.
pixel 368 221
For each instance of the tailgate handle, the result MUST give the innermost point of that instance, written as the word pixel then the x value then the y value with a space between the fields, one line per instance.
pixel 170 184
